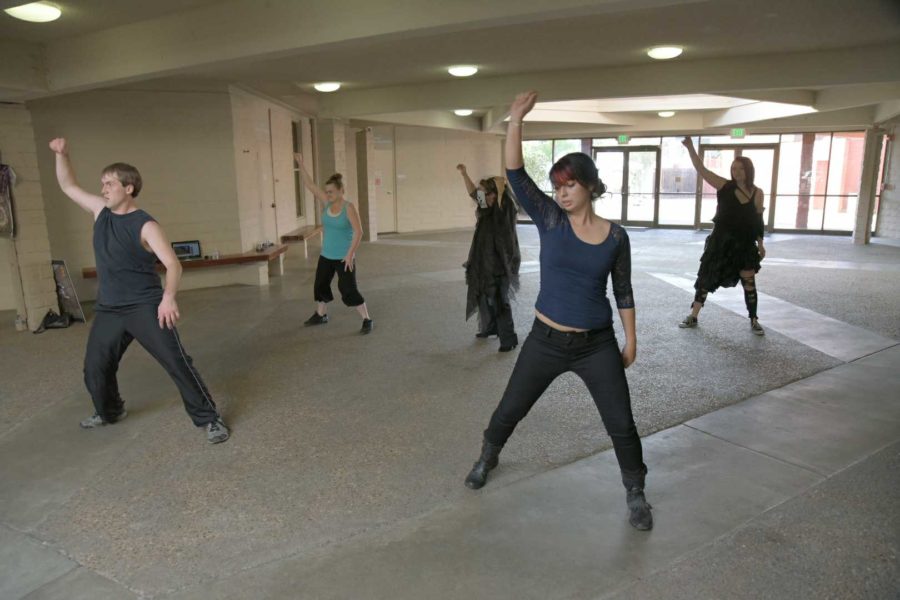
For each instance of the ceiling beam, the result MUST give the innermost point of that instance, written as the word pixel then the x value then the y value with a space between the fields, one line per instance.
pixel 245 31
pixel 845 66
pixel 757 111
pixel 887 111
pixel 856 95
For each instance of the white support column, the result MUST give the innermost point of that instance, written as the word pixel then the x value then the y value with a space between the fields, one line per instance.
pixel 862 229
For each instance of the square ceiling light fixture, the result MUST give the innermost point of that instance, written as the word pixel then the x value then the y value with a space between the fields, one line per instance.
pixel 35 12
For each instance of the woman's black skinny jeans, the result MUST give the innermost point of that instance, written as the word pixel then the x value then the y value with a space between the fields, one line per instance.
pixel 595 357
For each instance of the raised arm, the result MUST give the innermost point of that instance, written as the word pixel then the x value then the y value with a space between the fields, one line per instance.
pixel 153 236
pixel 470 185
pixel 711 178
pixel 542 209
pixel 65 175
pixel 308 181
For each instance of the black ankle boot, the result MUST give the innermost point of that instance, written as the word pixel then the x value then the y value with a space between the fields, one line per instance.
pixel 489 459
pixel 638 507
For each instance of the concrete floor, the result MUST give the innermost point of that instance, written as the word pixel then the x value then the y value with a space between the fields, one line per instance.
pixel 773 460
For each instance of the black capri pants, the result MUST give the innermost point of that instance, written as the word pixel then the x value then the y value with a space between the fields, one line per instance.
pixel 592 355
pixel 325 271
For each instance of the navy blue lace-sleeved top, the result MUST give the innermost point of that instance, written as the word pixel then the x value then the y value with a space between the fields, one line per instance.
pixel 574 273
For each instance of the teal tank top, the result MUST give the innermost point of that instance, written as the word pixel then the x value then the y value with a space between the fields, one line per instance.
pixel 337 234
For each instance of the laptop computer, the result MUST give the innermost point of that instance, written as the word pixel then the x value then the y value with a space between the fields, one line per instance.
pixel 188 250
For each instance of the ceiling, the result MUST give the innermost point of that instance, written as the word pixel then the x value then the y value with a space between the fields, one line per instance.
pixel 773 62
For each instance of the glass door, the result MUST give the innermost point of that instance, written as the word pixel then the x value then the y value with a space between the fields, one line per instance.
pixel 611 167
pixel 631 177
pixel 640 193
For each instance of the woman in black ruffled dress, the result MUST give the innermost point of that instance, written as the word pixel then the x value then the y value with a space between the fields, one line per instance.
pixel 734 249
pixel 492 270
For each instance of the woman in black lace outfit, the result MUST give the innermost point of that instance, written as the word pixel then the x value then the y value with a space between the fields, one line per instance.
pixel 492 270
pixel 573 329
pixel 734 249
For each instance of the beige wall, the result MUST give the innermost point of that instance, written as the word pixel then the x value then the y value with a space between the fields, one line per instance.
pixel 180 141
pixel 429 190
pixel 34 293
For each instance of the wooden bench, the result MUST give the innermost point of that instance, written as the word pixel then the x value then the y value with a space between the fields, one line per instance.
pixel 304 234
pixel 264 260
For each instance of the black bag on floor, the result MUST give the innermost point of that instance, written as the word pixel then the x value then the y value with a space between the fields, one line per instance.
pixel 54 321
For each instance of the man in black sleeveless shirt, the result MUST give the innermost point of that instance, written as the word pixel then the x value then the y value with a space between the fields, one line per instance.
pixel 131 303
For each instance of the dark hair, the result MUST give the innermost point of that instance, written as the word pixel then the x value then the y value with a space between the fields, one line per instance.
pixel 127 175
pixel 337 180
pixel 579 167
pixel 489 185
pixel 749 170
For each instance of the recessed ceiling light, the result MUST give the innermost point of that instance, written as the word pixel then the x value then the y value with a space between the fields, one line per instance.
pixel 665 114
pixel 327 86
pixel 36 12
pixel 664 52
pixel 463 70
pixel 462 112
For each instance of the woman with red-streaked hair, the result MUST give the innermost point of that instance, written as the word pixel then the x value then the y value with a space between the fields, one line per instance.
pixel 572 329
pixel 734 249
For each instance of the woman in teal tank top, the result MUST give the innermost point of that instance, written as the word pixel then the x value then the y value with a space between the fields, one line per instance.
pixel 341 235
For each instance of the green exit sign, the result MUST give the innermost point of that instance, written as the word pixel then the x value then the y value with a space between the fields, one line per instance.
pixel 738 132
pixel 623 139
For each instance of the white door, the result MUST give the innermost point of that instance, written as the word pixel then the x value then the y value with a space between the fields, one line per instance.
pixel 382 160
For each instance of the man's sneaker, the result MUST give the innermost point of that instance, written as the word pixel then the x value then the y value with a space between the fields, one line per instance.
pixel 367 326
pixel 756 328
pixel 217 432
pixel 96 420
pixel 316 319
pixel 689 321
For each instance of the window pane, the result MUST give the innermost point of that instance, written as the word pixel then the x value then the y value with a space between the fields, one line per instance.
pixel 840 213
pixel 605 142
pixel 611 167
pixel 677 183
pixel 787 208
pixel 845 168
pixel 563 147
pixel 750 139
pixel 538 160
pixel 640 141
pixel 802 166
pixel 609 206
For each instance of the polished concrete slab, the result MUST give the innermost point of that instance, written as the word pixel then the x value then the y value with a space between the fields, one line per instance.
pixel 81 584
pixel 26 564
pixel 835 338
pixel 345 446
pixel 838 540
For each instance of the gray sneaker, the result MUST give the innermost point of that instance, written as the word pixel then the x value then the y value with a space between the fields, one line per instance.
pixel 756 328
pixel 217 432
pixel 96 420
pixel 689 321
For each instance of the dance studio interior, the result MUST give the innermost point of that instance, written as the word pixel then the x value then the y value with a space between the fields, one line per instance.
pixel 770 445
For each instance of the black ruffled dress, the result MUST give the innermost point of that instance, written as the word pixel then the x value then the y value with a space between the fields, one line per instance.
pixel 731 247
pixel 494 255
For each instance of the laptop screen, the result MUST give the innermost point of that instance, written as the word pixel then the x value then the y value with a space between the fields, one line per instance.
pixel 188 250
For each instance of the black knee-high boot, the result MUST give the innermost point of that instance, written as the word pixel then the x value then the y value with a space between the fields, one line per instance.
pixel 638 507
pixel 489 459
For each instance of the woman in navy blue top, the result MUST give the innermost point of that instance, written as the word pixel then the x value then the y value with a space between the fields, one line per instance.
pixel 572 329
